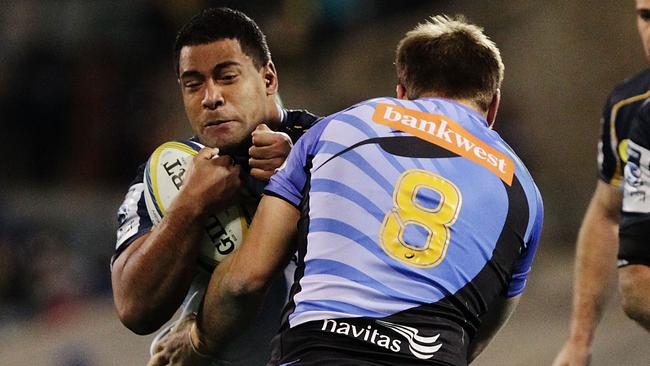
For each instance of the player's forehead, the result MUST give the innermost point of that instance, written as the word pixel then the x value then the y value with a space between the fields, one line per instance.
pixel 204 57
pixel 643 4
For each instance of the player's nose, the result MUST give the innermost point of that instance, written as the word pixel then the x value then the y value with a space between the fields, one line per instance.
pixel 213 96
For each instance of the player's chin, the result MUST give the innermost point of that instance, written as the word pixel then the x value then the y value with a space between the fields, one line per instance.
pixel 216 140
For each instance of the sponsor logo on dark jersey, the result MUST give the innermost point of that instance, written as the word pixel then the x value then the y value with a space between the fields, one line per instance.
pixel 419 346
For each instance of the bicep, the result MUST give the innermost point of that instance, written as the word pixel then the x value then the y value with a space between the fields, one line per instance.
pixel 606 201
pixel 119 263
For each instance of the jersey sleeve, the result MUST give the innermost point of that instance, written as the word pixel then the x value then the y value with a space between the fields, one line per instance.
pixel 524 263
pixel 607 156
pixel 289 180
pixel 634 229
pixel 133 220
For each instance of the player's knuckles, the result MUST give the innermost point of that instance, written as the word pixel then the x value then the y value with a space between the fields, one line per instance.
pixel 274 151
pixel 223 160
pixel 266 164
pixel 158 360
pixel 268 138
pixel 261 174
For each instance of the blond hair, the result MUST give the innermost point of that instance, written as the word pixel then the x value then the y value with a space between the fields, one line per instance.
pixel 451 58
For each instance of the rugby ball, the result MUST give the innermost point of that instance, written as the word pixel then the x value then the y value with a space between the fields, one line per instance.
pixel 163 178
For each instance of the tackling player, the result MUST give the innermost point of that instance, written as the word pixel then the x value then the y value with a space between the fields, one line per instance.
pixel 416 224
pixel 229 87
pixel 597 244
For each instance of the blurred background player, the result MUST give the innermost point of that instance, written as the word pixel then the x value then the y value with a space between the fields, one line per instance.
pixel 229 87
pixel 597 244
pixel 416 224
pixel 634 232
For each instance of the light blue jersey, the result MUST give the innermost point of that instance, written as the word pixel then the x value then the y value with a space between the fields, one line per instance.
pixel 409 207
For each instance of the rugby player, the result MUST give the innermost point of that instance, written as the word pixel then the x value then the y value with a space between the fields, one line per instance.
pixel 229 87
pixel 597 245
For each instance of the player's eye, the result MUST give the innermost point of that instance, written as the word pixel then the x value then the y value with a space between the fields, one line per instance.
pixel 192 85
pixel 228 78
pixel 644 14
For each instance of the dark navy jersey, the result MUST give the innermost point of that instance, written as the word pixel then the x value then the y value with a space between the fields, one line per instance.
pixel 619 112
pixel 251 347
pixel 634 230
pixel 133 219
pixel 416 216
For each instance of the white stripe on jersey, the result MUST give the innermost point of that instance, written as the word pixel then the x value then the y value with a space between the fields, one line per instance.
pixel 637 180
pixel 127 215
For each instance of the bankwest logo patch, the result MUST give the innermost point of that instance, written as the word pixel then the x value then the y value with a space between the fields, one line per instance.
pixel 448 134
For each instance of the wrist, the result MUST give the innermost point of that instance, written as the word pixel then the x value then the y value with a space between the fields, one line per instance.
pixel 581 338
pixel 188 207
pixel 197 343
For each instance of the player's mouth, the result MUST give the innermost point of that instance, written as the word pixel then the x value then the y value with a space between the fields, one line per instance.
pixel 217 124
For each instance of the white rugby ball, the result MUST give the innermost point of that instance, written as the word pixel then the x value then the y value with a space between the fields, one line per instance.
pixel 163 179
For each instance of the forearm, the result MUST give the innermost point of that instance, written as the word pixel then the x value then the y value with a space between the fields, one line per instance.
pixel 151 278
pixel 239 283
pixel 238 304
pixel 595 271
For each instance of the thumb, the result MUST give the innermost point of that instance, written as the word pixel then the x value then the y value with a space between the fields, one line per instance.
pixel 262 128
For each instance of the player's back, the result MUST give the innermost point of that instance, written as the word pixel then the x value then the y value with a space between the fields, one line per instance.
pixel 418 215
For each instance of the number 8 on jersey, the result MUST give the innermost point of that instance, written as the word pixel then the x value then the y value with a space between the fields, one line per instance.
pixel 415 206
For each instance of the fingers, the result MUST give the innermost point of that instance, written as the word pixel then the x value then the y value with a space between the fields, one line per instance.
pixel 208 153
pixel 159 359
pixel 266 164
pixel 224 160
pixel 262 128
pixel 260 174
pixel 267 138
pixel 268 152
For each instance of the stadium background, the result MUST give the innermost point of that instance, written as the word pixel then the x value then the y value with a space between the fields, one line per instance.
pixel 87 90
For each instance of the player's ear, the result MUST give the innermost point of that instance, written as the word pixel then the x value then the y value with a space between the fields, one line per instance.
pixel 270 78
pixel 400 91
pixel 494 107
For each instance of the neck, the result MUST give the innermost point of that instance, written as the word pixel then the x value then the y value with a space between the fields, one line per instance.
pixel 275 116
pixel 466 102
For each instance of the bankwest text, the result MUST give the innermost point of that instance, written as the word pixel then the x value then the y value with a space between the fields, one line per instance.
pixel 448 134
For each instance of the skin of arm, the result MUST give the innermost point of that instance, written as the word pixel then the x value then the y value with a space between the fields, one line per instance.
pixel 239 283
pixel 151 277
pixel 595 272
pixel 491 323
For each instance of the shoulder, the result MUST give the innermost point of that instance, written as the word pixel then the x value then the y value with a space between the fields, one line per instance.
pixel 299 118
pixel 640 130
pixel 139 177
pixel 296 122
pixel 634 86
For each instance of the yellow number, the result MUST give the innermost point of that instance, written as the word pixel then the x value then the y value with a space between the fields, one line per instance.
pixel 408 211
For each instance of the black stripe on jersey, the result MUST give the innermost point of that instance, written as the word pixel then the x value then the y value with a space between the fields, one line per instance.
pixel 413 147
pixel 409 146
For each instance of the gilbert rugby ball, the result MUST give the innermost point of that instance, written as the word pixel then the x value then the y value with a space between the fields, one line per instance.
pixel 163 178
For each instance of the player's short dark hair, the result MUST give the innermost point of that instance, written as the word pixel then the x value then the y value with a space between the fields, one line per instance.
pixel 215 24
pixel 452 58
